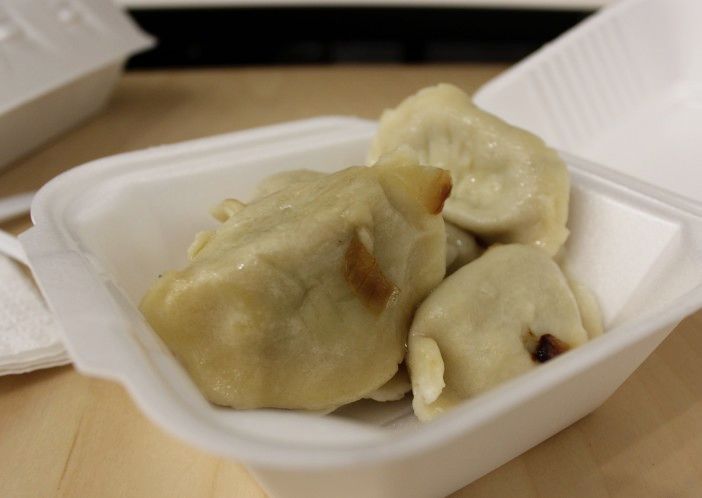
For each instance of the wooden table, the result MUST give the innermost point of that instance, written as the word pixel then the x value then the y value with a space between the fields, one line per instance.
pixel 63 434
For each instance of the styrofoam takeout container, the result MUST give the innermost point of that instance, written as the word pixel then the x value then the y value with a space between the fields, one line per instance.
pixel 59 60
pixel 623 88
pixel 105 230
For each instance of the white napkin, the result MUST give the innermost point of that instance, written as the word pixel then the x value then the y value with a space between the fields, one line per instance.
pixel 29 334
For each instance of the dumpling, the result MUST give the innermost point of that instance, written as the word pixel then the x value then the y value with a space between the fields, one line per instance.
pixel 226 209
pixel 589 308
pixel 461 248
pixel 303 299
pixel 499 316
pixel 508 186
pixel 284 179
pixel 394 389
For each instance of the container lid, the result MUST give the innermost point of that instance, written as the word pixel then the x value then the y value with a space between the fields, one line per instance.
pixel 623 89
pixel 47 43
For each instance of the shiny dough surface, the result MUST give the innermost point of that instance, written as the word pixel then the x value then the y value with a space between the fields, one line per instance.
pixel 461 247
pixel 479 327
pixel 284 179
pixel 508 186
pixel 303 299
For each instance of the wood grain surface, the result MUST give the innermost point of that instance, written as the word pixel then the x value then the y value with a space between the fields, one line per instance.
pixel 64 434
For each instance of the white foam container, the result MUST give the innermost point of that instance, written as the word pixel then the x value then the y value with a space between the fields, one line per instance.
pixel 103 232
pixel 623 88
pixel 59 61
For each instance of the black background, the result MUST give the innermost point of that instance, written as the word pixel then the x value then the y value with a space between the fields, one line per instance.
pixel 322 35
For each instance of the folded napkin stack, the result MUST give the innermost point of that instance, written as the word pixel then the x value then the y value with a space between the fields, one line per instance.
pixel 29 334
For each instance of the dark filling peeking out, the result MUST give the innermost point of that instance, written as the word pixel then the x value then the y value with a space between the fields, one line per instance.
pixel 548 347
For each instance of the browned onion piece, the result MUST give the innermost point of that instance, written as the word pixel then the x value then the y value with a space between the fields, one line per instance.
pixel 440 189
pixel 364 276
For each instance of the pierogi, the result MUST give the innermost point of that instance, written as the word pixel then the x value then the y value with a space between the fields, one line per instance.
pixel 590 311
pixel 284 179
pixel 303 298
pixel 495 318
pixel 508 186
pixel 461 247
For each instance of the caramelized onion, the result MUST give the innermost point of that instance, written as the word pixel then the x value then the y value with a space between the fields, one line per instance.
pixel 440 189
pixel 365 277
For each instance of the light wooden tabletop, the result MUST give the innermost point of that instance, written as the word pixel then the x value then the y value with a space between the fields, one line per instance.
pixel 63 434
